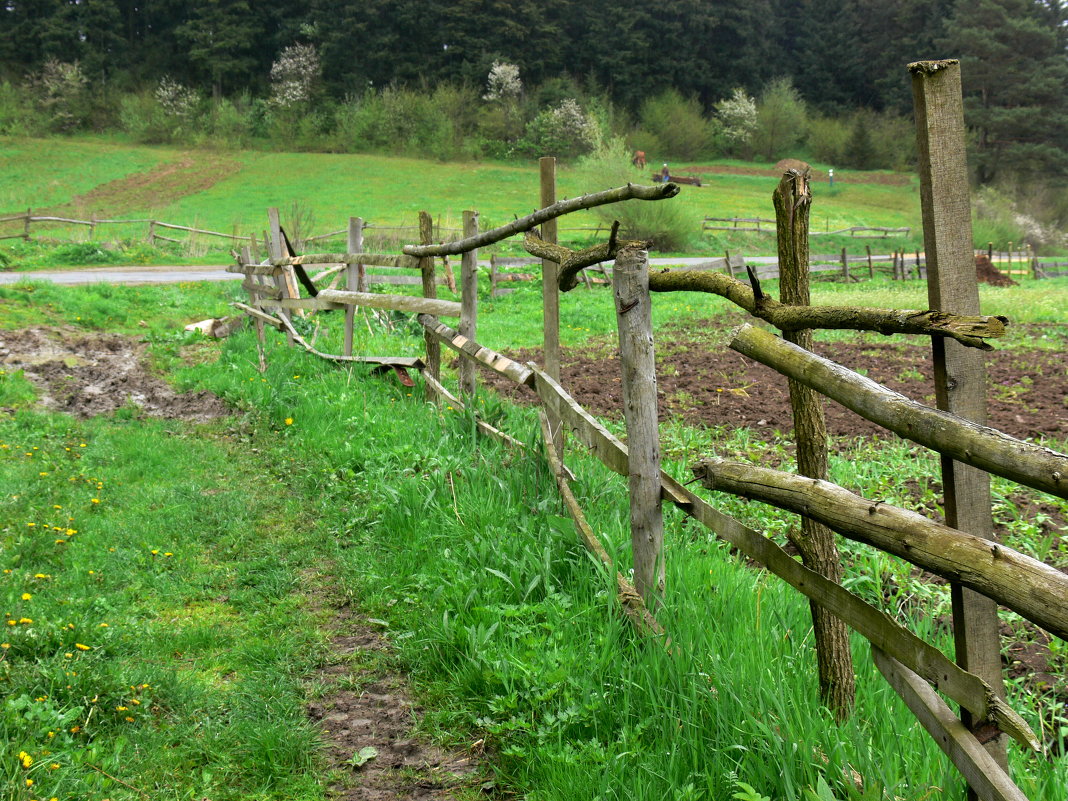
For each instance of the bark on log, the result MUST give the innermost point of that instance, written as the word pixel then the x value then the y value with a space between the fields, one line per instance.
pixel 965 441
pixel 572 262
pixel 407 303
pixel 970 330
pixel 628 192
pixel 1025 585
pixel 793 200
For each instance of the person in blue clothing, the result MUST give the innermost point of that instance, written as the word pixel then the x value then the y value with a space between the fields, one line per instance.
pixel 665 174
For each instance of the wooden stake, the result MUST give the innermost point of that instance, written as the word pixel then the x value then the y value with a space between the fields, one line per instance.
pixel 468 326
pixel 960 373
pixel 430 290
pixel 354 278
pixel 550 292
pixel 793 203
pixel 635 324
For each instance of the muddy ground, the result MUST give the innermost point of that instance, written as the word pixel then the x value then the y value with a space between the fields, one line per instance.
pixel 709 385
pixel 86 374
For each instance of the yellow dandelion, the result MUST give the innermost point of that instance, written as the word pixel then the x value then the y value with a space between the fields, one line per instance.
pixel 155 552
pixel 54 766
pixel 289 421
pixel 94 500
pixel 26 596
pixel 26 759
pixel 81 647
pixel 5 645
pixel 25 620
pixel 75 729
pixel 29 782
pixel 128 719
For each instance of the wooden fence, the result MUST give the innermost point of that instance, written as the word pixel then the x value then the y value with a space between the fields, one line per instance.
pixel 763 225
pixel 982 572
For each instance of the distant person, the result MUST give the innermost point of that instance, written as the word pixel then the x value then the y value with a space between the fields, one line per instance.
pixel 639 159
pixel 665 174
pixel 830 176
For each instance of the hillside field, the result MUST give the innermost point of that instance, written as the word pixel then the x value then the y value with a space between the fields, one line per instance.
pixel 230 191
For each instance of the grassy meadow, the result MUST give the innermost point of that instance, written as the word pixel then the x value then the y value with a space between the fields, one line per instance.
pixel 230 192
pixel 169 587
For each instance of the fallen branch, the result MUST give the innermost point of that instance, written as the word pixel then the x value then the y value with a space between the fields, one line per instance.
pixel 572 262
pixel 628 192
pixel 968 330
pixel 1025 585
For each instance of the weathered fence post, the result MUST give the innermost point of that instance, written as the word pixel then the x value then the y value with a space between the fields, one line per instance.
pixel 254 300
pixel 469 302
pixel 551 299
pixel 354 278
pixel 793 203
pixel 634 321
pixel 152 233
pixel 960 372
pixel 845 265
pixel 430 290
pixel 274 251
pixel 26 225
pixel 871 267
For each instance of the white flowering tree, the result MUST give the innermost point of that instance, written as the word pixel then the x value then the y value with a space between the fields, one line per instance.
pixel 294 76
pixel 738 115
pixel 503 82
pixel 565 130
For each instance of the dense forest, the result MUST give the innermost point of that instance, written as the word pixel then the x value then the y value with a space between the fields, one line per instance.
pixel 678 78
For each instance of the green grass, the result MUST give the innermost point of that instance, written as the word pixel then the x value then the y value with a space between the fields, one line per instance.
pixel 385 190
pixel 461 547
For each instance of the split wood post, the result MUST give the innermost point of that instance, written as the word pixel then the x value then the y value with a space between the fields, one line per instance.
pixel 469 303
pixel 1034 262
pixel 793 204
pixel 152 233
pixel 960 372
pixel 550 290
pixel 253 300
pixel 354 278
pixel 845 265
pixel 871 267
pixel 727 257
pixel 430 290
pixel 355 245
pixel 274 251
pixel 92 225
pixel 1010 258
pixel 635 324
pixel 26 225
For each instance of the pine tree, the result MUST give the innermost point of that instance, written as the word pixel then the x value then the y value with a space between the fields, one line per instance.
pixel 1014 73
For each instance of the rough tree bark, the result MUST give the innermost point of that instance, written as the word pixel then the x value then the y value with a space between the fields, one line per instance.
pixel 815 541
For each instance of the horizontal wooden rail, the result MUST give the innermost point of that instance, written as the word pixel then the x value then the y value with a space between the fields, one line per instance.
pixel 971 443
pixel 405 303
pixel 496 362
pixel 874 625
pixel 983 774
pixel 1023 584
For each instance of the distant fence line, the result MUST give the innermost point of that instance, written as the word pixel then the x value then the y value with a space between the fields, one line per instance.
pixel 757 222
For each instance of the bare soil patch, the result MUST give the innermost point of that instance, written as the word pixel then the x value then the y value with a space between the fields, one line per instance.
pixel 707 385
pixel 164 183
pixel 87 374
pixel 369 708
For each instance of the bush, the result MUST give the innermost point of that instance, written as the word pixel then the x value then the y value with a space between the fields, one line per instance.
pixel 663 223
pixel 19 112
pixel 782 120
pixel 564 131
pixel 677 127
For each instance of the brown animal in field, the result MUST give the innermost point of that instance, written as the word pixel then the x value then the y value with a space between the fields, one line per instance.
pixel 639 159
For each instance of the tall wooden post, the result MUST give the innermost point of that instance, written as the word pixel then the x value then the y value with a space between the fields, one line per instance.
pixel 275 251
pixel 960 372
pixel 871 266
pixel 551 298
pixel 845 265
pixel 254 300
pixel 634 321
pixel 430 290
pixel 26 225
pixel 469 302
pixel 793 203
pixel 354 277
